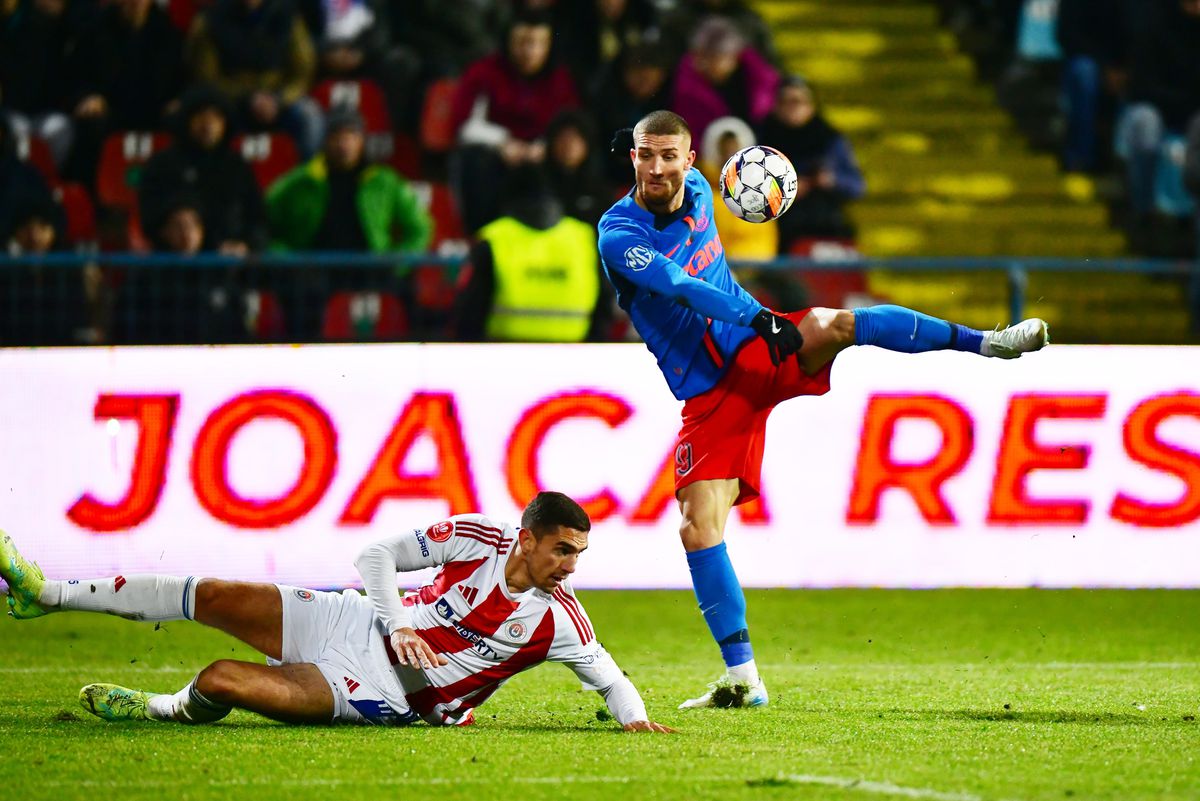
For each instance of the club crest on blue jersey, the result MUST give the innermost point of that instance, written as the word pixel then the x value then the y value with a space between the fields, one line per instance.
pixel 638 258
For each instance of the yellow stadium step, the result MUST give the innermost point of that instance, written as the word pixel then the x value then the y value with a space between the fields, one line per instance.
pixel 894 16
pixel 829 69
pixel 949 175
pixel 933 210
pixel 1016 164
pixel 915 239
pixel 863 43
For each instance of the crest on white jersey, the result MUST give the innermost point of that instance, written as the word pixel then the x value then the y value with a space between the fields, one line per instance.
pixel 440 532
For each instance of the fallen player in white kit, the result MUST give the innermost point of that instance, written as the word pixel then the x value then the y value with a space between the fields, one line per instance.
pixel 500 604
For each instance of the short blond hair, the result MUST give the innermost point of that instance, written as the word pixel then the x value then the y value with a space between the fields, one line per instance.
pixel 663 123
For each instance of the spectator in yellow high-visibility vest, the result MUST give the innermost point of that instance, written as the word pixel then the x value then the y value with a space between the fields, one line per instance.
pixel 534 275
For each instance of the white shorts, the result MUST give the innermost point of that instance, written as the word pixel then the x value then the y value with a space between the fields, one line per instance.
pixel 339 633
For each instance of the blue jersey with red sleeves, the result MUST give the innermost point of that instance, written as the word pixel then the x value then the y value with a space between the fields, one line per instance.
pixel 672 280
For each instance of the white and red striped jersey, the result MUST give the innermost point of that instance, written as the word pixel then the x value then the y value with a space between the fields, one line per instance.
pixel 468 614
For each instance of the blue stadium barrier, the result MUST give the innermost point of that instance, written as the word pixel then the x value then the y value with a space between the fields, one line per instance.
pixel 285 274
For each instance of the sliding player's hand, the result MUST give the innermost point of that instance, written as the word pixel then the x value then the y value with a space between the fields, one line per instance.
pixel 781 335
pixel 648 725
pixel 411 650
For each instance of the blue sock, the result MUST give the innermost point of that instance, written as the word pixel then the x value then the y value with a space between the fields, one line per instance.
pixel 722 603
pixel 908 331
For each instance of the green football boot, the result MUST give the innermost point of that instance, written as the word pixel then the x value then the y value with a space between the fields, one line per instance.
pixel 113 703
pixel 25 581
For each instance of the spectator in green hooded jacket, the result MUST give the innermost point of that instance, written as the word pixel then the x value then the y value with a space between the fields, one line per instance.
pixel 339 202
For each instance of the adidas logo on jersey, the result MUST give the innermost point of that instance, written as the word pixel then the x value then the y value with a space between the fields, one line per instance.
pixel 469 593
pixel 351 684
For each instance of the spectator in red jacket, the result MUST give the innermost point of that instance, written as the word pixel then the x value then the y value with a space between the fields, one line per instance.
pixel 721 77
pixel 501 110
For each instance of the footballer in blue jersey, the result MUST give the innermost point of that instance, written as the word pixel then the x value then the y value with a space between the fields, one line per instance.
pixel 732 361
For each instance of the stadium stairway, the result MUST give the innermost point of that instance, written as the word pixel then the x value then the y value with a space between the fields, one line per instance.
pixel 948 175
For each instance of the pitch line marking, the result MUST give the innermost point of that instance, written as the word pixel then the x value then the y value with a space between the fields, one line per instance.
pixel 845 783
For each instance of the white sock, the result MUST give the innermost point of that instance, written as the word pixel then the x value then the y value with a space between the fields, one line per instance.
pixel 985 347
pixel 185 706
pixel 745 673
pixel 145 597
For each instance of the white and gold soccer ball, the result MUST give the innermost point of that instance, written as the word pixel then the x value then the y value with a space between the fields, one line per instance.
pixel 758 183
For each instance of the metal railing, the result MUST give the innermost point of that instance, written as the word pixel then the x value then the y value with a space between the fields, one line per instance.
pixel 68 298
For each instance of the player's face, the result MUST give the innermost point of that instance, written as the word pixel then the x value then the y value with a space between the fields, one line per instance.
pixel 552 559
pixel 660 163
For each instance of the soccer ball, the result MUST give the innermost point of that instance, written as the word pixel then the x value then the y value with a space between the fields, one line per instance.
pixel 758 183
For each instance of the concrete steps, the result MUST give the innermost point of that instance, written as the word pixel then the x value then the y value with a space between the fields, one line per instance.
pixel 949 175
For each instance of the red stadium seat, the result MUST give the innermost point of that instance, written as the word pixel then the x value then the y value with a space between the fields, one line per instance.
pixel 121 159
pixel 829 288
pixel 270 155
pixel 433 284
pixel 437 128
pixel 183 12
pixel 358 316
pixel 406 156
pixel 35 150
pixel 433 288
pixel 264 316
pixel 80 214
pixel 363 95
pixel 135 239
pixel 438 200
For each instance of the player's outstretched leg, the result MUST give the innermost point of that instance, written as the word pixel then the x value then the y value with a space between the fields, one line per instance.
pixel 901 329
pixel 141 597
pixel 705 507
pixel 292 693
pixel 115 704
pixel 25 581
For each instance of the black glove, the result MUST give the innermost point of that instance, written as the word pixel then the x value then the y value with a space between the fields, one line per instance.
pixel 781 335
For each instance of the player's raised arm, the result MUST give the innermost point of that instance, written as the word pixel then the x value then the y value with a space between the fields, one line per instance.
pixel 629 254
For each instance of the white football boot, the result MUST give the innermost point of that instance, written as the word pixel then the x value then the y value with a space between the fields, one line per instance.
pixel 724 693
pixel 1023 337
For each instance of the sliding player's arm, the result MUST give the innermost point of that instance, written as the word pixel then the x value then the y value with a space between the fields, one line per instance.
pixel 378 565
pixel 629 253
pixel 577 647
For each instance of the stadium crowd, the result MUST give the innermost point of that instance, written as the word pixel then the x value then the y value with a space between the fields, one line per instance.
pixel 1124 97
pixel 249 127
pixel 243 127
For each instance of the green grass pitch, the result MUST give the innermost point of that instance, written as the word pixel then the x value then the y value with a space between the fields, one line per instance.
pixel 951 695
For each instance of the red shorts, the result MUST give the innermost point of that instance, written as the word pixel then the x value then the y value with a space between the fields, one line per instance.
pixel 724 428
